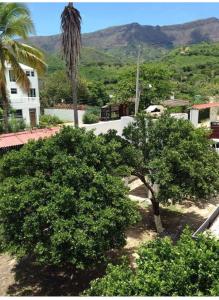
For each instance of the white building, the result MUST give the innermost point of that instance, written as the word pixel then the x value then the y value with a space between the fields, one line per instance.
pixel 27 105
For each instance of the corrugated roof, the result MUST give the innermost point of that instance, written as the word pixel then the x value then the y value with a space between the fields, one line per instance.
pixel 205 105
pixel 21 138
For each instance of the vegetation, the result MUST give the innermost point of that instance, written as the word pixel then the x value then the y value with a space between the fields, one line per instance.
pixel 172 159
pixel 155 84
pixel 61 201
pixel 16 22
pixel 188 268
pixel 47 121
pixel 90 118
pixel 56 88
pixel 14 124
pixel 190 72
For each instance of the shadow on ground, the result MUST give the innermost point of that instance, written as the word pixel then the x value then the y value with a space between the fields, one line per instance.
pixel 33 280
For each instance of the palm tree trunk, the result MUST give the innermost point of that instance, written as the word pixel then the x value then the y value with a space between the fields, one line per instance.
pixel 5 105
pixel 155 206
pixel 75 101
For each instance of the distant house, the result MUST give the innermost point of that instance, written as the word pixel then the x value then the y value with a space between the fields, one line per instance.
pixel 26 104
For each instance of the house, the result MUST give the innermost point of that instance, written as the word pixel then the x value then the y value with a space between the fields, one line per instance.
pixel 26 104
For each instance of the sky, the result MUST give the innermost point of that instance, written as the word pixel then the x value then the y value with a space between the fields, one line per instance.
pixel 95 16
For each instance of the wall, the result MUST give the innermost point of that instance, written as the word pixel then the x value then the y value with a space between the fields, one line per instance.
pixel 66 115
pixel 103 127
pixel 194 113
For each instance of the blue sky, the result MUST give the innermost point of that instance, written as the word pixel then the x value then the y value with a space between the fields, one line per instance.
pixel 46 16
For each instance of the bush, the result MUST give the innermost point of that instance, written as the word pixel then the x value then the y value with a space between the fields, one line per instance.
pixel 61 202
pixel 47 121
pixel 16 125
pixel 189 268
pixel 90 118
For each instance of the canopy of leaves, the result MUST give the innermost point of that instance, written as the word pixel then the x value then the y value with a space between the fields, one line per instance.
pixel 61 201
pixel 56 87
pixel 155 84
pixel 173 154
pixel 189 268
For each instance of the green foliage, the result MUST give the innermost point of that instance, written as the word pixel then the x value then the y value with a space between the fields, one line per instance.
pixel 61 201
pixel 196 70
pixel 56 87
pixel 173 154
pixel 155 84
pixel 90 118
pixel 47 121
pixel 187 268
pixel 14 125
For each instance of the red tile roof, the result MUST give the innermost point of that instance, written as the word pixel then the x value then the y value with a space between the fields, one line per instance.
pixel 205 105
pixel 20 138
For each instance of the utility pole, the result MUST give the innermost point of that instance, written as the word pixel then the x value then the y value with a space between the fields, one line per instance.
pixel 137 96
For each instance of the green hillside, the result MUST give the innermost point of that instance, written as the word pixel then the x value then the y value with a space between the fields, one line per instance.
pixel 196 70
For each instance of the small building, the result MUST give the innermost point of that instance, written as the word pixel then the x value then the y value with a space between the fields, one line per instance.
pixel 26 104
pixel 115 111
pixel 206 111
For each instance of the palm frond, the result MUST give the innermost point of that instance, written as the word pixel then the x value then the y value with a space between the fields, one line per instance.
pixel 10 12
pixel 29 56
pixel 20 74
pixel 19 26
pixel 71 38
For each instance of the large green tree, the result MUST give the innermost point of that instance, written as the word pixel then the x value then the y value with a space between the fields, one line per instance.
pixel 56 87
pixel 154 83
pixel 172 159
pixel 188 268
pixel 15 21
pixel 61 200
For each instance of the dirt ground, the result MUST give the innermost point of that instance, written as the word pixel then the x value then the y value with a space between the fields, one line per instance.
pixel 26 278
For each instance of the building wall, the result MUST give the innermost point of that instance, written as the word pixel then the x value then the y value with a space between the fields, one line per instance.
pixel 194 114
pixel 21 100
pixel 103 127
pixel 66 115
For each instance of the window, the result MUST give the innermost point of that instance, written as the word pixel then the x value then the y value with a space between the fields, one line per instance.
pixel 11 76
pixel 19 114
pixel 28 73
pixel 13 91
pixel 32 73
pixel 32 93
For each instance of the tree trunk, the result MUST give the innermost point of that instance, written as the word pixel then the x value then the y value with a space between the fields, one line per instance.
pixel 5 105
pixel 75 101
pixel 157 219
pixel 155 206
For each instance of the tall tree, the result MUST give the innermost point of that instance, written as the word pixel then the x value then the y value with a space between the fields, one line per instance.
pixel 61 201
pixel 173 160
pixel 71 44
pixel 15 21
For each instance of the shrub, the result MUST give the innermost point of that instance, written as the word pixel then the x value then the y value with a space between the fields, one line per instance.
pixel 16 125
pixel 47 120
pixel 90 118
pixel 189 268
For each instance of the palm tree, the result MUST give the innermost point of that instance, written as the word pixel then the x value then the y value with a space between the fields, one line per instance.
pixel 71 44
pixel 15 22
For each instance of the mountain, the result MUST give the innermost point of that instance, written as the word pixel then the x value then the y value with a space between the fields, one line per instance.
pixel 122 41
